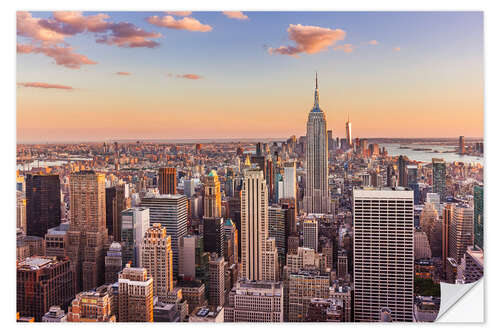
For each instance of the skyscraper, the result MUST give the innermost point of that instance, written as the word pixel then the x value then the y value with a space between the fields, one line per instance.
pixel 478 216
pixel 348 132
pixel 87 235
pixel 254 224
pixel 402 171
pixel 310 227
pixel 157 259
pixel 212 197
pixel 21 211
pixel 289 181
pixel 167 180
pixel 135 223
pixel 461 145
pixel 383 253
pixel 135 295
pixel 115 204
pixel 461 232
pixel 439 177
pixel 170 210
pixel 216 280
pixel 277 228
pixel 316 197
pixel 43 203
pixel 447 216
pixel 213 235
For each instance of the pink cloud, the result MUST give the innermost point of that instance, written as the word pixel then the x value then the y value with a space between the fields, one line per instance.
pixel 347 48
pixel 309 39
pixel 187 23
pixel 189 76
pixel 236 15
pixel 44 85
pixel 126 34
pixel 123 73
pixel 28 26
pixel 397 49
pixel 179 13
pixel 373 42
pixel 63 56
pixel 71 23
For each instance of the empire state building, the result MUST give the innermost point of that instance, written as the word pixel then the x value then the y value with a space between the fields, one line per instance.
pixel 316 199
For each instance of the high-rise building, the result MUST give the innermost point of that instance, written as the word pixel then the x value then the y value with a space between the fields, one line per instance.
pixel 310 229
pixel 439 177
pixel 113 263
pixel 135 295
pixel 213 235
pixel 277 229
pixel 348 132
pixel 383 253
pixel 135 223
pixel 167 180
pixel 216 280
pixel 255 301
pixel 447 216
pixel 21 211
pixel 254 224
pixel 478 216
pixel 87 234
pixel 290 181
pixel 212 197
pixel 422 247
pixel 461 145
pixel 461 232
pixel 43 203
pixel 402 171
pixel 115 204
pixel 270 262
pixel 42 282
pixel 170 210
pixel 92 306
pixel 316 199
pixel 432 226
pixel 157 259
pixel 230 242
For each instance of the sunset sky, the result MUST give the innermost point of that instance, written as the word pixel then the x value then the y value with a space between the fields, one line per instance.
pixel 160 75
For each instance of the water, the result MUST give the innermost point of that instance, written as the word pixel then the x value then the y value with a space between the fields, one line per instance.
pixel 44 164
pixel 394 149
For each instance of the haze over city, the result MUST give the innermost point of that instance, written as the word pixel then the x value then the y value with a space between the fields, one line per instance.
pixel 96 76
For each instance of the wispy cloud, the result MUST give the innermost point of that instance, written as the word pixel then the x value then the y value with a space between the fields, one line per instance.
pixel 186 76
pixel 187 23
pixel 373 42
pixel 347 48
pixel 236 15
pixel 126 34
pixel 397 49
pixel 123 73
pixel 309 39
pixel 63 56
pixel 44 85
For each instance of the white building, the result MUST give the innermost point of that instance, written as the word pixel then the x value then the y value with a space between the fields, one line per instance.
pixel 135 223
pixel 383 253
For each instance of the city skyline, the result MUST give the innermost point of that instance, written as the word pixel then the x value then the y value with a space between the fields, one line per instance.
pixel 131 83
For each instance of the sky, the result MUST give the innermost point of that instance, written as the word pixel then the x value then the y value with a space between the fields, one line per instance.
pixel 95 76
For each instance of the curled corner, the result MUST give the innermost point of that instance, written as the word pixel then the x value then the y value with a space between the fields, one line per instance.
pixel 451 294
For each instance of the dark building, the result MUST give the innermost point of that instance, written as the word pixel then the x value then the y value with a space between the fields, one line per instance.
pixel 478 216
pixel 43 203
pixel 213 235
pixel 167 181
pixel 41 283
pixel 115 204
pixel 403 172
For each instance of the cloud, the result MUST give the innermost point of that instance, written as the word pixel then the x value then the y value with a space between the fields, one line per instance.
pixel 189 76
pixel 44 85
pixel 28 26
pixel 347 48
pixel 236 15
pixel 187 23
pixel 309 39
pixel 397 49
pixel 71 23
pixel 179 13
pixel 373 42
pixel 123 73
pixel 63 56
pixel 125 34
